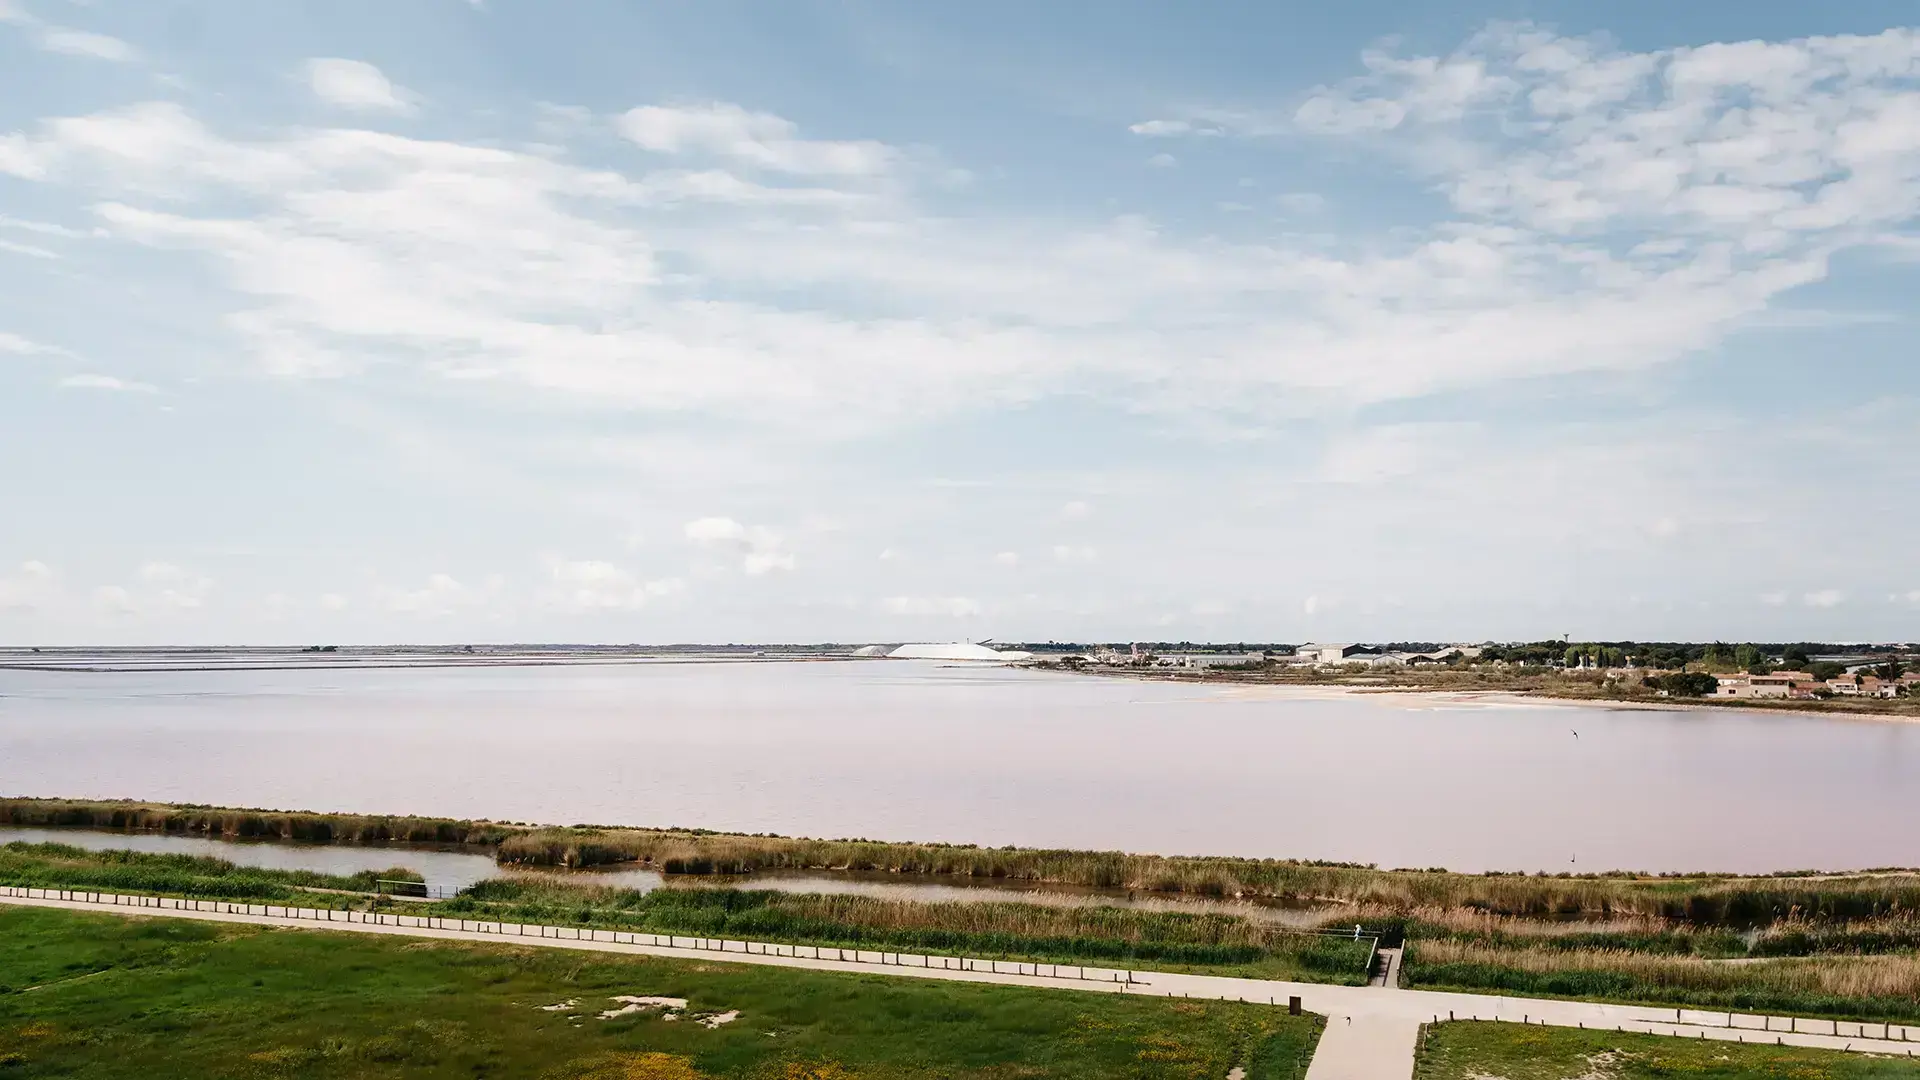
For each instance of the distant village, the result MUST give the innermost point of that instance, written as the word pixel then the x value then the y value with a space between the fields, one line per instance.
pixel 1807 671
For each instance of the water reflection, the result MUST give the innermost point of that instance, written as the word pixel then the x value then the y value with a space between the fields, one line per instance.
pixel 942 890
pixel 448 869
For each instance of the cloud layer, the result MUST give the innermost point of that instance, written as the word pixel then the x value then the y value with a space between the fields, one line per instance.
pixel 689 358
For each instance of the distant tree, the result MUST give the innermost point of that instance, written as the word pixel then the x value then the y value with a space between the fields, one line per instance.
pixel 1890 670
pixel 1683 683
pixel 1795 657
pixel 1825 670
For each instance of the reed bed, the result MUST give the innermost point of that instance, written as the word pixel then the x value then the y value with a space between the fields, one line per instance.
pixel 1087 934
pixel 1475 922
pixel 248 824
pixel 1705 900
pixel 1789 937
pixel 1861 937
pixel 1866 986
pixel 1361 893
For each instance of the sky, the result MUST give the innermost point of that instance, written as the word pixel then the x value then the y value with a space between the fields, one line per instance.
pixel 460 321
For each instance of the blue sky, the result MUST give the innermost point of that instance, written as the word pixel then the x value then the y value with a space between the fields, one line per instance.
pixel 452 321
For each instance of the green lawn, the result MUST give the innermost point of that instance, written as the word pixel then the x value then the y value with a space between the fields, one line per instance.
pixel 108 996
pixel 1468 1051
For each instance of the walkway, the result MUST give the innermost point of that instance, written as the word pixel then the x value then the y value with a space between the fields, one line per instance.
pixel 1371 1030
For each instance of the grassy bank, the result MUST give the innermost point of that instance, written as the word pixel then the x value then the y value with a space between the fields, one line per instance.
pixel 1101 936
pixel 1368 892
pixel 139 998
pixel 60 866
pixel 1466 1051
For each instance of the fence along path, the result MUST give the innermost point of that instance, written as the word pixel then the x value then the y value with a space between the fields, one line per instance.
pixel 522 932
pixel 1366 1009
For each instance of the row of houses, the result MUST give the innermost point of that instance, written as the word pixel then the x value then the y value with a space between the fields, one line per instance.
pixel 1349 653
pixel 1309 654
pixel 1801 684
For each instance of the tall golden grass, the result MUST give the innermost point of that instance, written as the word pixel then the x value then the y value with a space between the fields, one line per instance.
pixel 1841 976
pixel 248 824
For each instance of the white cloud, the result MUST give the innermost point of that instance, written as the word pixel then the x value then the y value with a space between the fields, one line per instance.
pixel 81 43
pixel 105 382
pixel 1077 510
pixel 1161 127
pixel 759 139
pixel 1310 606
pixel 1381 454
pixel 28 250
pixel 1301 202
pixel 592 585
pixel 113 600
pixel 174 587
pixel 1072 553
pixel 45 228
pixel 703 296
pixel 1913 596
pixel 28 589
pixel 759 547
pixel 355 84
pixel 442 595
pixel 763 562
pixel 890 555
pixel 1007 558
pixel 1773 599
pixel 19 346
pixel 715 530
pixel 1163 161
pixel 1425 89
pixel 1825 598
pixel 333 602
pixel 958 607
pixel 67 41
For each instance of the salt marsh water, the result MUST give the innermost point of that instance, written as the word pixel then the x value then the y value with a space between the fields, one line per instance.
pixel 903 750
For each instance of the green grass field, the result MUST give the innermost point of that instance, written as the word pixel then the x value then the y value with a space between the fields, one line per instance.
pixel 107 996
pixel 1466 1051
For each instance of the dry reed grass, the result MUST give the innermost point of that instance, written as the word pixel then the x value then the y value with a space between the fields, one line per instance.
pixel 1850 976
